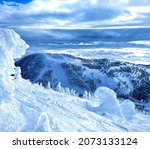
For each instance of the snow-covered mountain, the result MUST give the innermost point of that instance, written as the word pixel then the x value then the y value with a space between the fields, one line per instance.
pixel 29 107
pixel 126 79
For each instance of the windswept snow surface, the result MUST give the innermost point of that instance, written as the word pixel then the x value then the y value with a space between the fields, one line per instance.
pixel 32 108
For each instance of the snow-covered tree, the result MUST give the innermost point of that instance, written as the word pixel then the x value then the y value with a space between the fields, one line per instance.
pixel 17 75
pixel 73 92
pixel 59 88
pixel 49 85
pixel 67 91
pixel 85 94
pixel 11 47
pixel 89 96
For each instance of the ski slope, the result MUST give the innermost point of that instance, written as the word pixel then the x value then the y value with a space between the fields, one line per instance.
pixel 29 107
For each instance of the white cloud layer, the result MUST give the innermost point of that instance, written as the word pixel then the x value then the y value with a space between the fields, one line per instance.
pixel 75 13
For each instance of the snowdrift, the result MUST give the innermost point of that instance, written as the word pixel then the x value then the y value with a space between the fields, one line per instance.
pixel 29 107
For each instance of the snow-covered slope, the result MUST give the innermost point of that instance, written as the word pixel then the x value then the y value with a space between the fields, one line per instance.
pixel 31 107
pixel 126 79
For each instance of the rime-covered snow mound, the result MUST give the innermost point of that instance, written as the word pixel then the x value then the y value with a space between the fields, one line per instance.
pixel 128 109
pixel 33 108
pixel 11 47
pixel 107 102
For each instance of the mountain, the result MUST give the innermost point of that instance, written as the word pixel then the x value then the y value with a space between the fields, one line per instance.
pixel 126 79
pixel 30 107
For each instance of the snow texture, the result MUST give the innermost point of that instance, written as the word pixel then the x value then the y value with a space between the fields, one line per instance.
pixel 34 108
pixel 108 102
pixel 128 109
pixel 11 47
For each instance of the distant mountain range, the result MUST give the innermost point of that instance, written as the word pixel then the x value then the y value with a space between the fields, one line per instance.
pixel 126 79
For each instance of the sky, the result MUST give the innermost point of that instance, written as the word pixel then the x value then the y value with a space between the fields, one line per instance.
pixel 70 14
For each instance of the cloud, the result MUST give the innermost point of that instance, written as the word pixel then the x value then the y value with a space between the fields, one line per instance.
pixel 139 2
pixel 73 13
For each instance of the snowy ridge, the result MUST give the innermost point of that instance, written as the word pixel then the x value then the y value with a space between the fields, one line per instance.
pixel 34 108
pixel 126 79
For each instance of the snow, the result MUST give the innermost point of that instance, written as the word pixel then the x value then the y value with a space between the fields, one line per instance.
pixel 11 47
pixel 108 102
pixel 42 124
pixel 17 75
pixel 128 109
pixel 34 108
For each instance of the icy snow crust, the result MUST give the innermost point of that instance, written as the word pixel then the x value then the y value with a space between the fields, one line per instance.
pixel 30 107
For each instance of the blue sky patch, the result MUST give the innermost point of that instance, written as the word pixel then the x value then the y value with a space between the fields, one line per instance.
pixel 17 1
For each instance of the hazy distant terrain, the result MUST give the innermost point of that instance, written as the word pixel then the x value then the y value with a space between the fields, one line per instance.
pixel 129 44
